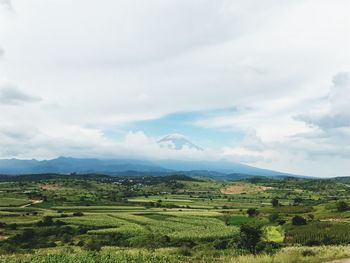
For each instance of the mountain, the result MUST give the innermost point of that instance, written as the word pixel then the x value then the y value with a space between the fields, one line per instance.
pixel 177 142
pixel 66 165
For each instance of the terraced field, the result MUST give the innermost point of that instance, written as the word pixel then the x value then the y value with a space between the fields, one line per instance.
pixel 169 220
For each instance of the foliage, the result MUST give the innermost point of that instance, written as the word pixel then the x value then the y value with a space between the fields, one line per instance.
pixel 252 212
pixel 250 236
pixel 342 206
pixel 275 202
pixel 319 233
pixel 298 221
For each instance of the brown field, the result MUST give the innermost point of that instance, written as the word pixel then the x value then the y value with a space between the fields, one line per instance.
pixel 50 187
pixel 240 188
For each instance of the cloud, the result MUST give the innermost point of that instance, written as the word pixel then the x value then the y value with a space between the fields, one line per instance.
pixel 6 3
pixel 107 67
pixel 337 114
pixel 11 95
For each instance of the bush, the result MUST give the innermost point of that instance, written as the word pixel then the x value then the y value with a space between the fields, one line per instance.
pixel 252 212
pixel 78 214
pixel 308 253
pixel 7 248
pixel 281 221
pixel 46 221
pixel 267 247
pixel 297 200
pixel 220 244
pixel 298 221
pixel 342 206
pixel 92 245
pixel 184 251
pixel 274 217
pixel 275 202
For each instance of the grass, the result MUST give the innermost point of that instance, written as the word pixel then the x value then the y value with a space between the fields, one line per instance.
pixel 111 255
pixel 298 255
pixel 4 202
pixel 240 220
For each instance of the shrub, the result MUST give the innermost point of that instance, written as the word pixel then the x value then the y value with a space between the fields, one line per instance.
pixel 342 206
pixel 92 245
pixel 275 202
pixel 274 217
pixel 298 221
pixel 78 214
pixel 184 251
pixel 252 212
pixel 297 200
pixel 46 221
pixel 308 253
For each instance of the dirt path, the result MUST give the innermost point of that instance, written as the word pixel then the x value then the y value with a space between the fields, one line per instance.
pixel 33 202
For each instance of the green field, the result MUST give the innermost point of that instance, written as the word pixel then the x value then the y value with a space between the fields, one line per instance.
pixel 173 219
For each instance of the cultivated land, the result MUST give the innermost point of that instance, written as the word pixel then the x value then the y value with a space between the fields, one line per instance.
pixel 97 218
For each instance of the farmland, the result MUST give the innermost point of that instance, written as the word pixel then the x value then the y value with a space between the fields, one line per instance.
pixel 97 218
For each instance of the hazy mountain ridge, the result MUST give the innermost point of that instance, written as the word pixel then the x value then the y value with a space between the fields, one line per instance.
pixel 66 165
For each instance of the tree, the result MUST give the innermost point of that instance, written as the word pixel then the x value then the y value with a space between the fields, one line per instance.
pixel 250 236
pixel 252 212
pixel 46 221
pixel 92 245
pixel 298 221
pixel 275 202
pixel 274 217
pixel 297 200
pixel 342 206
pixel 227 220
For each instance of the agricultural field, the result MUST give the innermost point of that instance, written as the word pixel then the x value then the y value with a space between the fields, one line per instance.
pixel 175 218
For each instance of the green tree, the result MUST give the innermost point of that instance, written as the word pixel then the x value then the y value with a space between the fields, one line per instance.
pixel 298 221
pixel 297 200
pixel 252 212
pixel 275 202
pixel 250 236
pixel 342 206
pixel 274 217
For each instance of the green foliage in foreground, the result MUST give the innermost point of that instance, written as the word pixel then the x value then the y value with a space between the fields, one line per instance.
pixel 91 257
pixel 320 233
pixel 286 255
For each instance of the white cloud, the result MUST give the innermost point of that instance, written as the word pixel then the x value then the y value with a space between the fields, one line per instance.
pixel 11 95
pixel 337 113
pixel 112 62
pixel 5 4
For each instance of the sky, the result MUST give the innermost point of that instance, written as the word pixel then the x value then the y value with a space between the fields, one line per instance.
pixel 265 83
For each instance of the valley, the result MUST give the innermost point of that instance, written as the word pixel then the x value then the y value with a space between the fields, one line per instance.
pixel 176 218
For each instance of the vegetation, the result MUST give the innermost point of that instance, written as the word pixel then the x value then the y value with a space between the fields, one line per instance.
pixel 175 218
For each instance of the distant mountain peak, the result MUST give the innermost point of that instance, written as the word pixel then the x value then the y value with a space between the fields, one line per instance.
pixel 177 141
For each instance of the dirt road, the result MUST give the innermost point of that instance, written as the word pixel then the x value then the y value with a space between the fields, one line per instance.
pixel 33 202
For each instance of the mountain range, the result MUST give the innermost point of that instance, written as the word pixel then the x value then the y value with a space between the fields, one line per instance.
pixel 68 165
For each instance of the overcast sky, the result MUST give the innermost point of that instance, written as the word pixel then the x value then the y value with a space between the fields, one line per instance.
pixel 266 83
